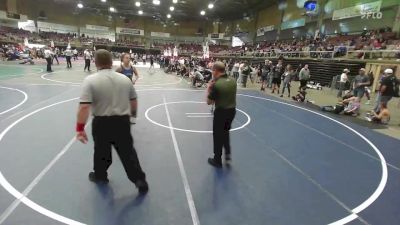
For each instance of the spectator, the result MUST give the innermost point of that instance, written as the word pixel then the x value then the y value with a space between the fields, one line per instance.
pixel 383 117
pixel 360 82
pixel 387 88
pixel 342 82
pixel 304 76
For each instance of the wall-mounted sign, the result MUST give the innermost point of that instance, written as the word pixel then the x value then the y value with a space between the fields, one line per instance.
pixel 293 24
pixel 216 36
pixel 160 34
pixel 261 31
pixel 358 10
pixel 95 27
pixel 129 31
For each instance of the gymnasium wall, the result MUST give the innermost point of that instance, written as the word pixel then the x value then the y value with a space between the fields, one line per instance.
pixel 357 24
pixel 56 13
pixel 294 10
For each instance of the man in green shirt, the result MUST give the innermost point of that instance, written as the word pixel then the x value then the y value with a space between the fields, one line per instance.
pixel 222 93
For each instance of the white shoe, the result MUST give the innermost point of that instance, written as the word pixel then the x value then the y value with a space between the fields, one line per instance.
pixel 133 120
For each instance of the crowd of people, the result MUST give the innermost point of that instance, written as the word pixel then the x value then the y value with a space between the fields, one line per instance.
pixel 278 78
pixel 319 47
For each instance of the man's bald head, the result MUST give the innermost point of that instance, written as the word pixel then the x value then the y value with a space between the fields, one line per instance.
pixel 103 59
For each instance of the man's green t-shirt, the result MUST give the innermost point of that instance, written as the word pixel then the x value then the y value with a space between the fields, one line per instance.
pixel 224 93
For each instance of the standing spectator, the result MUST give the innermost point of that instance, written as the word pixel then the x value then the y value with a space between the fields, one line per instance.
pixel 87 56
pixel 68 54
pixel 304 76
pixel 278 71
pixel 360 82
pixel 287 78
pixel 342 82
pixel 112 99
pixel 48 57
pixel 378 95
pixel 368 87
pixel 55 53
pixel 246 72
pixel 129 70
pixel 222 93
pixel 144 59
pixel 387 89
pixel 235 70
pixel 265 71
pixel 75 54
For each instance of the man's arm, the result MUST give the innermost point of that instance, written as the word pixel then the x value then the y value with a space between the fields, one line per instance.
pixel 383 88
pixel 134 105
pixel 211 93
pixel 83 115
pixel 136 74
pixel 83 111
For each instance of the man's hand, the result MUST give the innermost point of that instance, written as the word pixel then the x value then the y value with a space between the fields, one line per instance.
pixel 210 85
pixel 82 137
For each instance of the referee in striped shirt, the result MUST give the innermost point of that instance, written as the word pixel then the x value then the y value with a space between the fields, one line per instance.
pixel 112 99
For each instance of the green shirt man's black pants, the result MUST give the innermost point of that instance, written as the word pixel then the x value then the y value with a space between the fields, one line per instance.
pixel 221 125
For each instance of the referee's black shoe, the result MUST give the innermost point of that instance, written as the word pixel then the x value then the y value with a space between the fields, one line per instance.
pixel 142 186
pixel 214 163
pixel 93 178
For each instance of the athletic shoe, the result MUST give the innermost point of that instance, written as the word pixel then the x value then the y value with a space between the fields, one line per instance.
pixel 142 186
pixel 133 120
pixel 368 102
pixel 214 163
pixel 228 158
pixel 93 178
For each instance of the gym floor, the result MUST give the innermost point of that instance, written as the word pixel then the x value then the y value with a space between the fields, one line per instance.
pixel 291 164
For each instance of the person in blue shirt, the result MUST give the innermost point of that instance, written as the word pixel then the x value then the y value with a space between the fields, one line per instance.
pixel 127 69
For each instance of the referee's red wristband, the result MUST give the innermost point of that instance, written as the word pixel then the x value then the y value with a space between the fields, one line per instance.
pixel 80 127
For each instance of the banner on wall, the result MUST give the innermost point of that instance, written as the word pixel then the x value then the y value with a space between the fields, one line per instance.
pixel 160 34
pixel 129 31
pixel 358 10
pixel 95 27
pixel 216 36
pixel 293 24
pixel 54 27
pixel 261 31
pixel 28 25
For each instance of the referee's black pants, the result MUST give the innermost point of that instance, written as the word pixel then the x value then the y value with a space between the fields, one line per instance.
pixel 69 64
pixel 87 64
pixel 48 60
pixel 115 131
pixel 221 125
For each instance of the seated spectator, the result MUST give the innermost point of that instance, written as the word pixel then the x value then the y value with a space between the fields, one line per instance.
pixel 301 96
pixel 383 117
pixel 353 106
pixel 197 78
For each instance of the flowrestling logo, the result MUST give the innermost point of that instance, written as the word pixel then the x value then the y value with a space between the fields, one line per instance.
pixel 371 15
